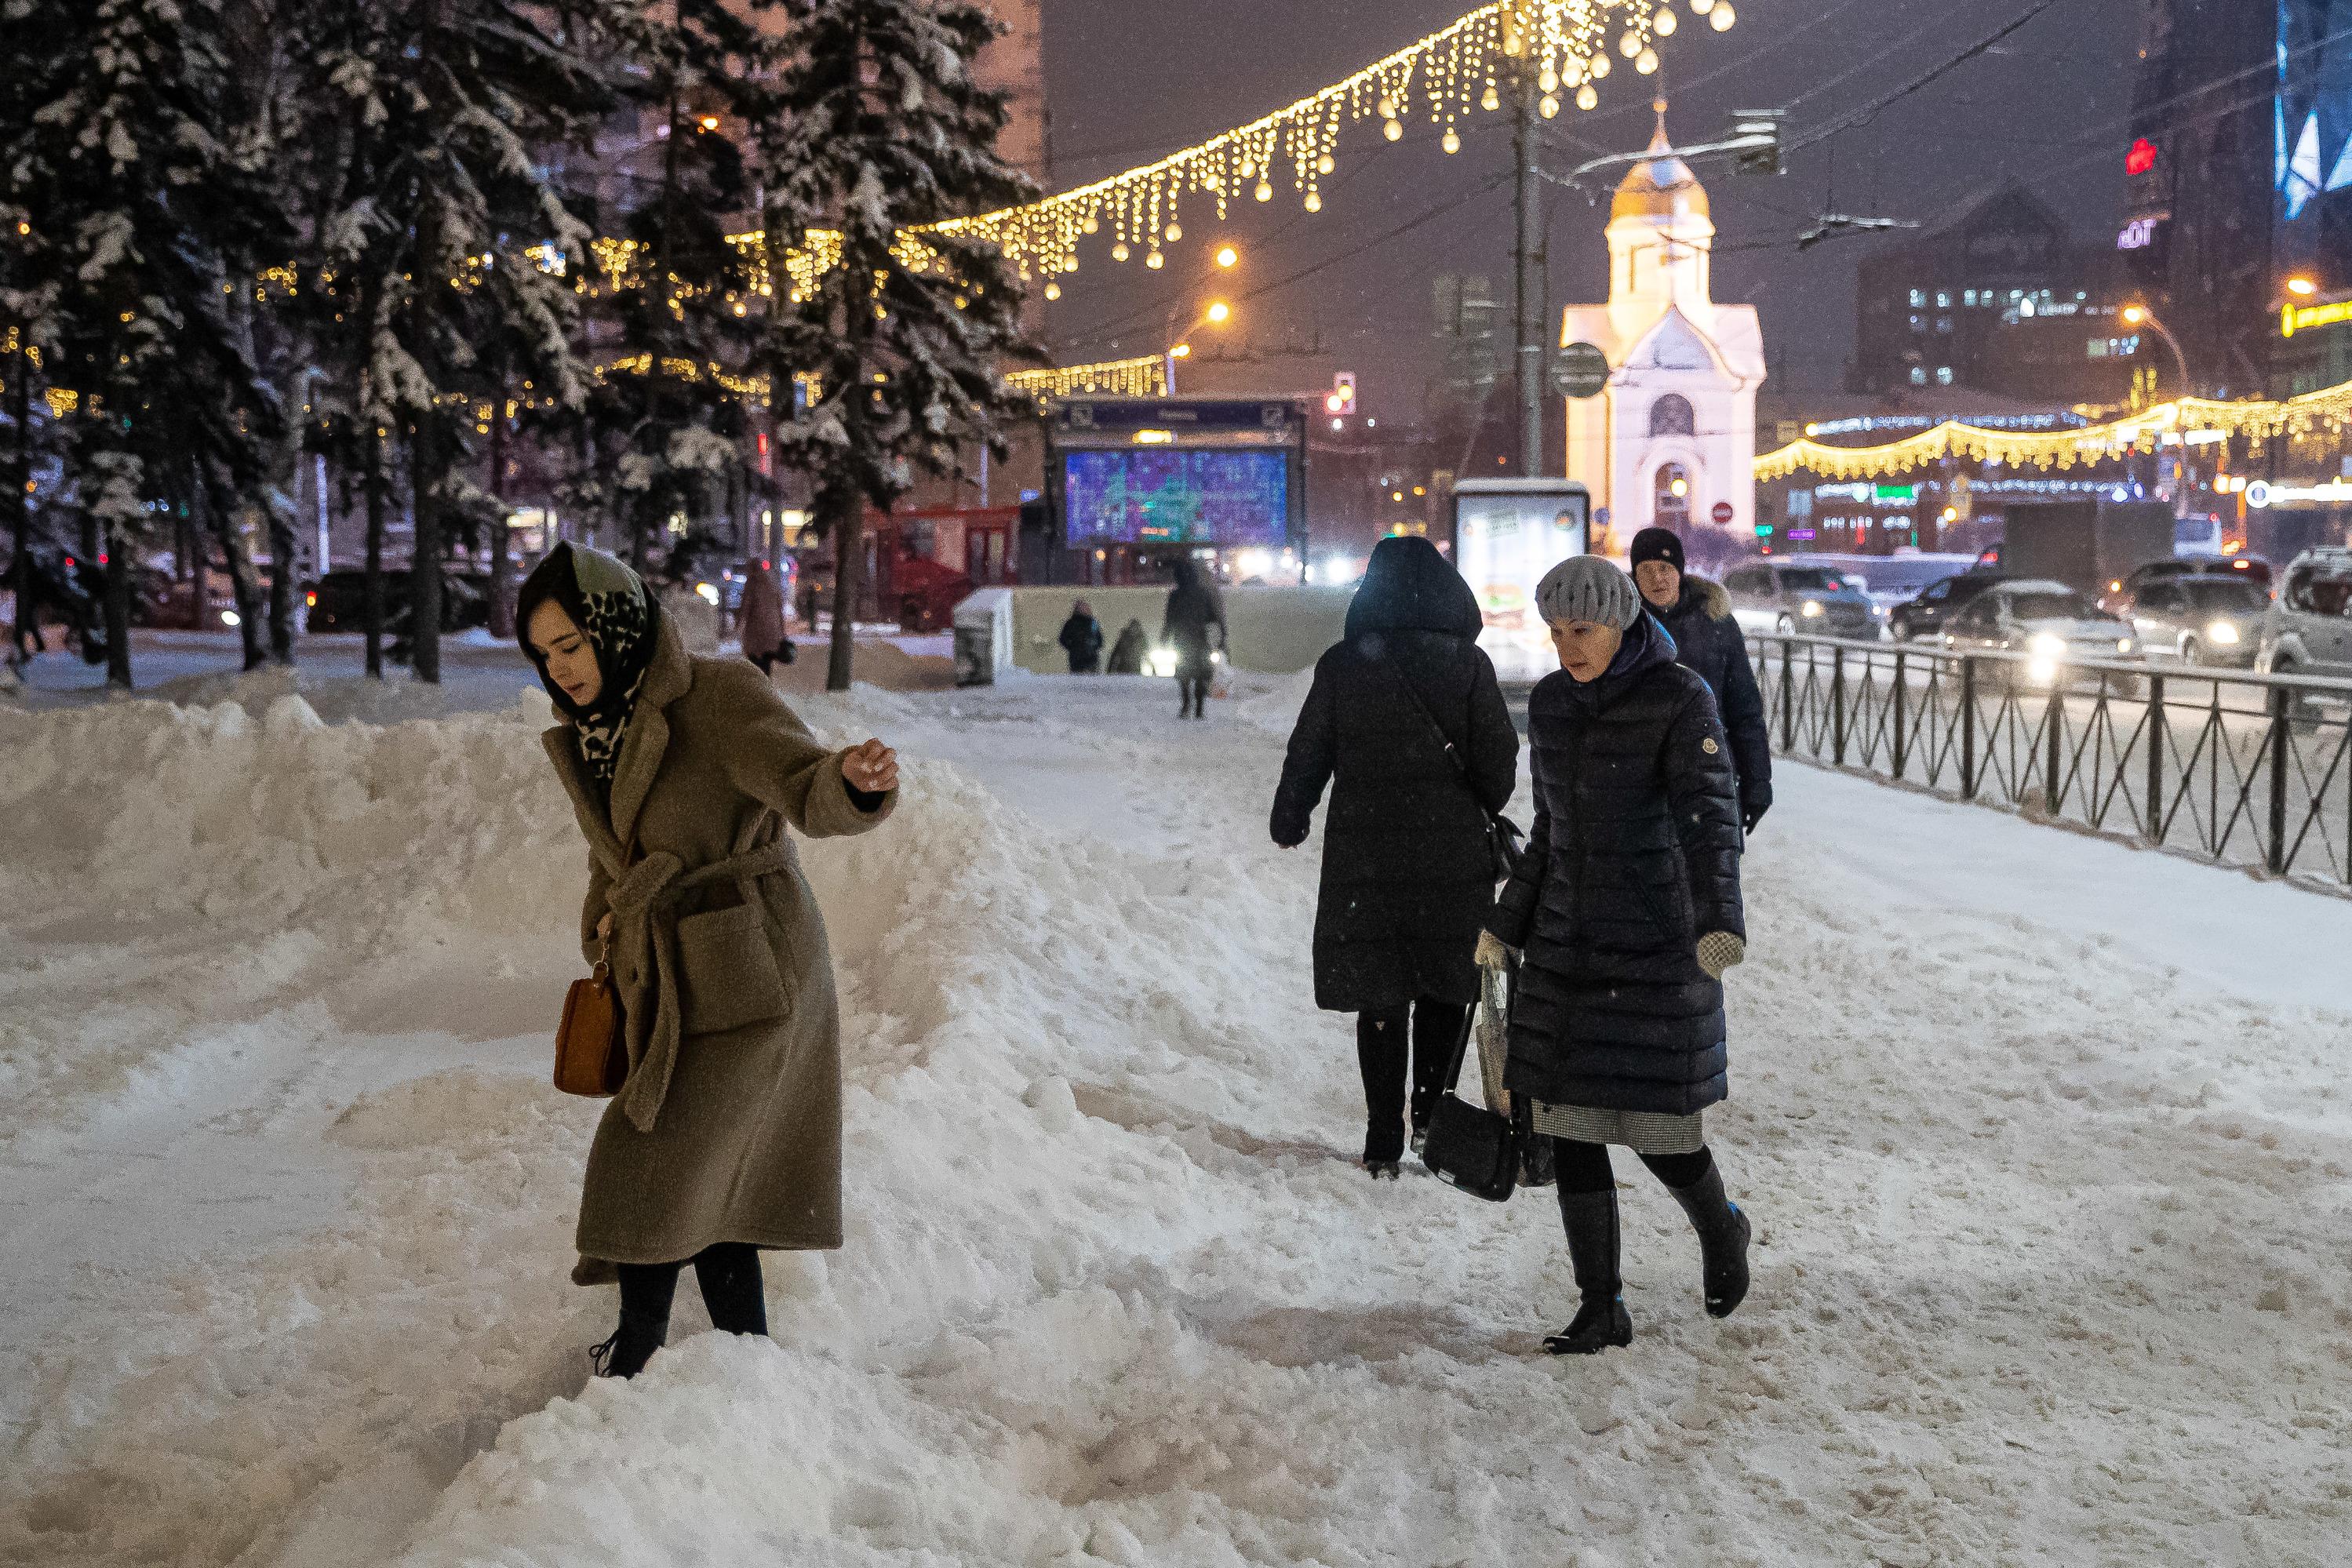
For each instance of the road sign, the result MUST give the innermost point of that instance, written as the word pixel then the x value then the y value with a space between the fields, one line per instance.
pixel 1580 370
pixel 1722 513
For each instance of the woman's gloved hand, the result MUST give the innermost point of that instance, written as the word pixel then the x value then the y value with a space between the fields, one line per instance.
pixel 1493 952
pixel 1718 951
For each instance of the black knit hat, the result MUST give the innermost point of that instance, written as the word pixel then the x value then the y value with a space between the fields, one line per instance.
pixel 1658 544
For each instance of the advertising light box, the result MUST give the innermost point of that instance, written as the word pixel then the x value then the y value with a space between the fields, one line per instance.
pixel 1507 534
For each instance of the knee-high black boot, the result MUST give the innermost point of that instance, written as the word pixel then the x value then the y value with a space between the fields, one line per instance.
pixel 647 1291
pixel 1601 1320
pixel 1722 1236
pixel 728 1273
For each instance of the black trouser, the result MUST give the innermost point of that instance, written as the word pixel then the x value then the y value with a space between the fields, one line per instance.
pixel 1385 1041
pixel 728 1274
pixel 1191 696
pixel 1584 1167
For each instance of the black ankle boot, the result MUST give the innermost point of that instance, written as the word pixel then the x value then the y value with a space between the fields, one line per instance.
pixel 732 1287
pixel 1723 1234
pixel 1601 1320
pixel 632 1346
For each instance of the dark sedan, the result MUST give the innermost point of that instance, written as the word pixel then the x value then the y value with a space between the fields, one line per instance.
pixel 1926 616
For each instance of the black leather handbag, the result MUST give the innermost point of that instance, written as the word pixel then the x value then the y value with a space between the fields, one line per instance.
pixel 1468 1145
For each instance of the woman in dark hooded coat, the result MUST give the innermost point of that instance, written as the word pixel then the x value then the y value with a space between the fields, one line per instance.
pixel 1406 723
pixel 1193 607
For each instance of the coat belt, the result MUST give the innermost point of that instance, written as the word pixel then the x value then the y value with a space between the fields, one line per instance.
pixel 644 899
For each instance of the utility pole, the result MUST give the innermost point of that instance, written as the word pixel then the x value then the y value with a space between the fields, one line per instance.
pixel 1531 261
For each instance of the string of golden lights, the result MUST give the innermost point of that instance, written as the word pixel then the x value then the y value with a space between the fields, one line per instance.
pixel 1145 376
pixel 2189 422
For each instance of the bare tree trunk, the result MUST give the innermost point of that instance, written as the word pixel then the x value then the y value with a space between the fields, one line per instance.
pixel 501 576
pixel 848 531
pixel 118 569
pixel 427 457
pixel 20 503
pixel 244 582
pixel 282 579
pixel 372 589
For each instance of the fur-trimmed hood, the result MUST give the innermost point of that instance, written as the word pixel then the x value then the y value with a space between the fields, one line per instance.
pixel 1709 594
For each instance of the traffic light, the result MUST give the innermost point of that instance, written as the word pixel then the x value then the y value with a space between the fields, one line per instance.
pixel 1342 401
pixel 1759 130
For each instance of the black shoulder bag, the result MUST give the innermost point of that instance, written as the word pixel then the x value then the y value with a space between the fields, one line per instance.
pixel 1470 1147
pixel 1503 835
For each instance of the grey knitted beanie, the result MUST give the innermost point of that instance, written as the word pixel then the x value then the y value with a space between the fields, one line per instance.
pixel 1588 587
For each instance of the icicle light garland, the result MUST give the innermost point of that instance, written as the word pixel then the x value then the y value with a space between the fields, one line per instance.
pixel 2191 421
pixel 1444 78
pixel 1143 377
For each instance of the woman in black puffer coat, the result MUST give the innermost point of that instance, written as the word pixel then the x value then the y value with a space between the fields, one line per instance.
pixel 1625 912
pixel 1406 722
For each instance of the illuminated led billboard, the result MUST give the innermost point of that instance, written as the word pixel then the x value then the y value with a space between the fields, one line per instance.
pixel 1159 494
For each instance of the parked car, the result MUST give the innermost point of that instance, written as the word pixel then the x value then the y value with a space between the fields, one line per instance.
pixel 2054 626
pixel 2199 618
pixel 338 601
pixel 2309 631
pixel 1924 616
pixel 1786 597
pixel 2243 568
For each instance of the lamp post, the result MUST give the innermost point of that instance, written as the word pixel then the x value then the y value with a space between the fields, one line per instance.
pixel 1216 315
pixel 2141 316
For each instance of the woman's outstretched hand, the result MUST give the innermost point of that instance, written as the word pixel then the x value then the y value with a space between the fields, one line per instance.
pixel 873 767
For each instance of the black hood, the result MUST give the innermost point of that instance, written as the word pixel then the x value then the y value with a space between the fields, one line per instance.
pixel 1408 587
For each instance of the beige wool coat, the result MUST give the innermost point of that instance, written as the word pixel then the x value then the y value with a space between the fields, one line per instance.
pixel 728 1125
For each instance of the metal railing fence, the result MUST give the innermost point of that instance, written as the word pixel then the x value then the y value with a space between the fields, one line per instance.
pixel 2234 768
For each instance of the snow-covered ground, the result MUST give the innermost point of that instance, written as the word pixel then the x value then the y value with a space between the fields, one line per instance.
pixel 2047 1141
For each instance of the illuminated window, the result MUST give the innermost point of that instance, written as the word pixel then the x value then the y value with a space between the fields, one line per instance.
pixel 1943 375
pixel 1918 375
pixel 1918 323
pixel 1943 323
pixel 1918 299
pixel 1943 299
pixel 1969 299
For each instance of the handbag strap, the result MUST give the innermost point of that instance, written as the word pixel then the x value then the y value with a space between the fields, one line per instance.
pixel 1444 741
pixel 1451 1081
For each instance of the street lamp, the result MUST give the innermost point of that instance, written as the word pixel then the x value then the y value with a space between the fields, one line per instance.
pixel 1216 315
pixel 2141 316
pixel 1227 255
pixel 2302 288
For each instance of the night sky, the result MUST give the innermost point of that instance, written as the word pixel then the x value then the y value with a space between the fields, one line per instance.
pixel 1131 79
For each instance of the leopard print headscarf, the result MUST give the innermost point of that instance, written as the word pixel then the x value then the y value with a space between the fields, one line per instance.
pixel 610 605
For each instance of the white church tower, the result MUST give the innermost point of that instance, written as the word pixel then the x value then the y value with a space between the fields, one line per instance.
pixel 1674 435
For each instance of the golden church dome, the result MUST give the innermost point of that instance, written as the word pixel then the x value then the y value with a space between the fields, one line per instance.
pixel 1660 186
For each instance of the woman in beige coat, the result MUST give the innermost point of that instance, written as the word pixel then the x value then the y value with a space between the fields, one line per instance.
pixel 726 1136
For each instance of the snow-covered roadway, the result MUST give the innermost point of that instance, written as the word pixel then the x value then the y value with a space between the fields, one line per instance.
pixel 2047 1139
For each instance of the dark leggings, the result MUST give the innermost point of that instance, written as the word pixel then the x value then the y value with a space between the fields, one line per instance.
pixel 728 1274
pixel 1584 1167
pixel 1424 1034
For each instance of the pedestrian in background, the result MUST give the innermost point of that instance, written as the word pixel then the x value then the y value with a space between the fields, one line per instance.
pixel 1697 613
pixel 684 772
pixel 765 641
pixel 1194 625
pixel 1625 913
pixel 1407 724
pixel 1127 653
pixel 1082 639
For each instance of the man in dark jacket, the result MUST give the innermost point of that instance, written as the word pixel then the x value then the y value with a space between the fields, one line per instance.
pixel 1708 641
pixel 1406 723
pixel 1082 639
pixel 1626 912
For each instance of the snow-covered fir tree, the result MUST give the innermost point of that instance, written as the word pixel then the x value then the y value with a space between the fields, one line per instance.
pixel 445 245
pixel 133 200
pixel 880 129
pixel 667 419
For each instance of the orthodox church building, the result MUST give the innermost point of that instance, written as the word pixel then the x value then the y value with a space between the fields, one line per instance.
pixel 1673 435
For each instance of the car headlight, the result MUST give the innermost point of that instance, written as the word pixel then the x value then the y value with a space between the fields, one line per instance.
pixel 1813 609
pixel 1163 661
pixel 2045 645
pixel 707 593
pixel 230 618
pixel 2221 632
pixel 2123 645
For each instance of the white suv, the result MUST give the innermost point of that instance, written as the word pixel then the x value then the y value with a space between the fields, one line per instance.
pixel 2309 631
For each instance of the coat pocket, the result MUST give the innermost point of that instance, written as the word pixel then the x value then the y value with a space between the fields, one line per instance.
pixel 727 970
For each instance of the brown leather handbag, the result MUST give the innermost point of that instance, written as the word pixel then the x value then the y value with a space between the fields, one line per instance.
pixel 592 1049
pixel 592 1043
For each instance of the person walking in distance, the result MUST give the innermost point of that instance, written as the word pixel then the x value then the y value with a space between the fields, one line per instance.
pixel 1194 625
pixel 1082 639
pixel 1697 613
pixel 765 640
pixel 1406 723
pixel 684 773
pixel 1127 653
pixel 1624 912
